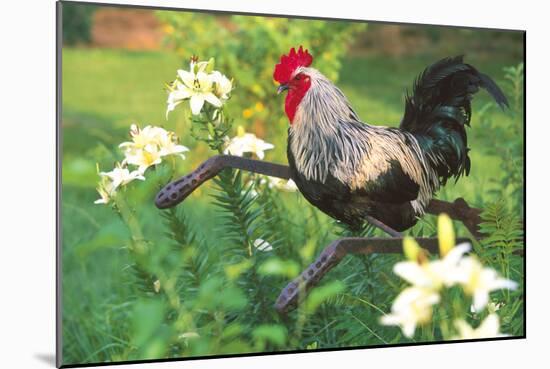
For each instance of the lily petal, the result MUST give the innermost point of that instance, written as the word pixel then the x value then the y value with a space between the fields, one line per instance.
pixel 196 103
pixel 180 94
pixel 456 253
pixel 413 273
pixel 186 77
pixel 212 99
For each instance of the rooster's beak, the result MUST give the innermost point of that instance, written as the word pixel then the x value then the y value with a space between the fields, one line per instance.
pixel 282 88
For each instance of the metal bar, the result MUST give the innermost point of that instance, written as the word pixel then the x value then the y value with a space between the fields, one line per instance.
pixel 458 210
pixel 333 254
pixel 178 190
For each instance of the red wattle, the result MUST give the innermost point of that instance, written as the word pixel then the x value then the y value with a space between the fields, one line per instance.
pixel 295 95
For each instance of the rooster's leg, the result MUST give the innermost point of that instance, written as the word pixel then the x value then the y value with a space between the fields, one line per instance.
pixel 378 224
pixel 333 254
pixel 176 191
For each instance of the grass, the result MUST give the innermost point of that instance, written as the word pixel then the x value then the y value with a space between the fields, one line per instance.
pixel 104 91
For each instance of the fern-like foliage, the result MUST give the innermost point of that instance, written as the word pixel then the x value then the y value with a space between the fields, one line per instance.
pixel 192 254
pixel 502 247
pixel 240 218
pixel 275 221
pixel 242 222
pixel 178 227
pixel 503 234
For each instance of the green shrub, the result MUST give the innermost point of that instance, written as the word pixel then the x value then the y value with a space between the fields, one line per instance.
pixel 247 49
pixel 77 23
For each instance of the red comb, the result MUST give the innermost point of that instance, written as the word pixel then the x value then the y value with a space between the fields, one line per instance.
pixel 289 63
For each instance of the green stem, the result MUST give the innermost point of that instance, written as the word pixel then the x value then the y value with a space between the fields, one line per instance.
pixel 444 324
pixel 139 244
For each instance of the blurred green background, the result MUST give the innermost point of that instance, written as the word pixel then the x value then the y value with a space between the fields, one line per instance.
pixel 116 62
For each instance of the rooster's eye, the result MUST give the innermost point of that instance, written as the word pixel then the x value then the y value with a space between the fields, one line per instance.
pixel 298 77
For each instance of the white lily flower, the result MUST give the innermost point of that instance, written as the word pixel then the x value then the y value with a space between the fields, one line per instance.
pixel 412 307
pixel 176 96
pixel 199 84
pixel 144 158
pixel 262 245
pixel 169 146
pixel 433 274
pixel 195 86
pixel 149 145
pixel 247 142
pixel 110 181
pixel 105 197
pixel 150 135
pixel 154 133
pixel 105 190
pixel 478 281
pixel 489 328
pixel 120 176
pixel 223 85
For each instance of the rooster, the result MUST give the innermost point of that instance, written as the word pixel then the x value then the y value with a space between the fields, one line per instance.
pixel 354 171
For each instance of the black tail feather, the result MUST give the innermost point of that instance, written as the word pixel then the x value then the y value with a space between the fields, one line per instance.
pixel 440 108
pixel 494 90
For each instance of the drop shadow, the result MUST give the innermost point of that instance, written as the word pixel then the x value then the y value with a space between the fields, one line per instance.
pixel 46 358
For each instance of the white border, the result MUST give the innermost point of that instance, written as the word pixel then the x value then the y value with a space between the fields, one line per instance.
pixel 27 241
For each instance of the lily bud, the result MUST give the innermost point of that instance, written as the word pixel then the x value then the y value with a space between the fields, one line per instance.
pixel 240 131
pixel 211 130
pixel 210 65
pixel 446 234
pixel 413 251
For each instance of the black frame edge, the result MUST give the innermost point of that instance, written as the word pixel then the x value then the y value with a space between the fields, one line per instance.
pixel 278 15
pixel 58 156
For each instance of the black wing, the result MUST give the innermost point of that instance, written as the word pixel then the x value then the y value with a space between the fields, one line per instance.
pixel 393 186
